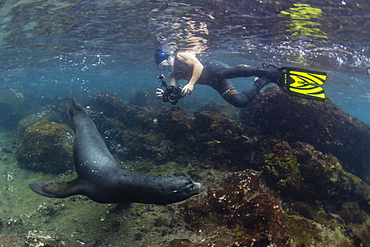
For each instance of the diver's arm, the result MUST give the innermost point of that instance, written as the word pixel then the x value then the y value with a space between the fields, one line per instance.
pixel 173 81
pixel 193 62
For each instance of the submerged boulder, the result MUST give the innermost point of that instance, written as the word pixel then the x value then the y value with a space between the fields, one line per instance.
pixel 48 113
pixel 319 123
pixel 131 116
pixel 46 147
pixel 299 172
pixel 175 124
pixel 240 212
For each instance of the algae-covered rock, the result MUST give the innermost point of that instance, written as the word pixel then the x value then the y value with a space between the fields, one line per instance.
pixel 48 113
pixel 148 99
pixel 132 116
pixel 223 108
pixel 46 147
pixel 38 239
pixel 282 169
pixel 175 124
pixel 303 173
pixel 320 123
pixel 240 212
pixel 307 232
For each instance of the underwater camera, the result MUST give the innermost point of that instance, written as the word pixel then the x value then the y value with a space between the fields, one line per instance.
pixel 172 94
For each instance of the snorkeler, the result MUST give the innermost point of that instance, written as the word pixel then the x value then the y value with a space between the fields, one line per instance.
pixel 216 74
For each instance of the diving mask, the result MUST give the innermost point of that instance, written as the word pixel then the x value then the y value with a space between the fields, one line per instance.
pixel 164 64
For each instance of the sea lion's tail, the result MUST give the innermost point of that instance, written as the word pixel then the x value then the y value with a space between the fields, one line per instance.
pixel 75 108
pixel 55 189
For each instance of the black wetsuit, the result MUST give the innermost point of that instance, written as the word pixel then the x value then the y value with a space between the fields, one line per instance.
pixel 216 75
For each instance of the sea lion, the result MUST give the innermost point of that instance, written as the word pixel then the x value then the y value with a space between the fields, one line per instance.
pixel 103 180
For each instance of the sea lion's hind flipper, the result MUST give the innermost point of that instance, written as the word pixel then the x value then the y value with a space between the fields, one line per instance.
pixel 54 189
pixel 75 107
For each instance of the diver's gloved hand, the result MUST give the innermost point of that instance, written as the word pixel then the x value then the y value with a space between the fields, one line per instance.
pixel 159 93
pixel 271 72
pixel 187 89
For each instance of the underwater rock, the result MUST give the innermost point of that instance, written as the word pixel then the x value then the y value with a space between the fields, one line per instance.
pixel 305 174
pixel 223 108
pixel 107 103
pixel 352 214
pixel 240 212
pixel 46 147
pixel 212 138
pixel 127 143
pixel 38 239
pixel 307 232
pixel 175 124
pixel 320 123
pixel 132 116
pixel 147 99
pixel 48 113
pixel 181 243
pixel 221 142
pixel 218 125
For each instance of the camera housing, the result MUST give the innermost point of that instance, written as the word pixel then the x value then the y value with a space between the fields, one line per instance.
pixel 172 94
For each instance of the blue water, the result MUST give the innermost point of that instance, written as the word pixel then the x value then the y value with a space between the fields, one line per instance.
pixel 57 48
pixel 349 90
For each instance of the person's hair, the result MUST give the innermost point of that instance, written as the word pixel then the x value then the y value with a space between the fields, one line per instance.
pixel 159 56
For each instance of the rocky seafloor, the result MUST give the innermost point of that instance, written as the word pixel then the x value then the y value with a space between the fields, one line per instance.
pixel 284 171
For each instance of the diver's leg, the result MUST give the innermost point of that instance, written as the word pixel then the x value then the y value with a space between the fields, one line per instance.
pixel 252 91
pixel 271 72
pixel 239 71
pixel 227 91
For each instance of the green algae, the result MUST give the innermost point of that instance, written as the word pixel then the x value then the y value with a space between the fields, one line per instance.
pixel 310 233
pixel 282 168
pixel 46 147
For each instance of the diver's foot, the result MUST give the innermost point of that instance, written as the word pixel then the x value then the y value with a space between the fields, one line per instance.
pixel 272 73
pixel 260 83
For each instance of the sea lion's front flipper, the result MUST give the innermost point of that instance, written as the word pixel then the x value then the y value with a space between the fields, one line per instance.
pixel 55 189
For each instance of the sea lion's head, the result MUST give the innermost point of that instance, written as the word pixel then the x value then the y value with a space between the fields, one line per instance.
pixel 179 189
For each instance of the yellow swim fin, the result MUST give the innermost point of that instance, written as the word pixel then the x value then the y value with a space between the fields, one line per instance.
pixel 303 83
